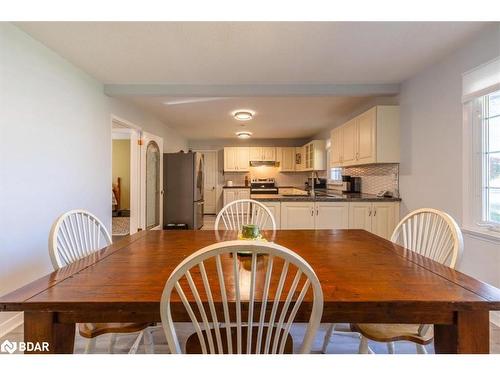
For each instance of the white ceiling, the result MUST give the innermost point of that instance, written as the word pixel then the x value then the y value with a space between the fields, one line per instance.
pixel 275 117
pixel 251 52
pixel 227 58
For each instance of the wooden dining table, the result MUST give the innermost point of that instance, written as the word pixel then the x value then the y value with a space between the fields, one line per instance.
pixel 364 278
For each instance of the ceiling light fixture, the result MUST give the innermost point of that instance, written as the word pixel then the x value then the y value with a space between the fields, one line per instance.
pixel 244 134
pixel 243 115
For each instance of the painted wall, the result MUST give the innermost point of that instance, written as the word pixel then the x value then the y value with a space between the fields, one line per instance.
pixel 172 141
pixel 121 168
pixel 55 150
pixel 54 153
pixel 431 140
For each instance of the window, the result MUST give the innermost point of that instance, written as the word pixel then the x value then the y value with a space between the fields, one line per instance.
pixel 481 150
pixel 490 128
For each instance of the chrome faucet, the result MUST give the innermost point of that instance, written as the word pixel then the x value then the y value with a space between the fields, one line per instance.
pixel 313 180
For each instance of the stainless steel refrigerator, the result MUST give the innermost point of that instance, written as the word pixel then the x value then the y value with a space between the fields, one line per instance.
pixel 183 186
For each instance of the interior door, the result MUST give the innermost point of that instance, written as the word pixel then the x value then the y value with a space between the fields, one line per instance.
pixel 151 181
pixel 210 176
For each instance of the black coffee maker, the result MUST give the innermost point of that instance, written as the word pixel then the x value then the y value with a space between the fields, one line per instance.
pixel 355 184
pixel 351 184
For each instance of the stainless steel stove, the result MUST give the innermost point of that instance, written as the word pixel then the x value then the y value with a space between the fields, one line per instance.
pixel 263 186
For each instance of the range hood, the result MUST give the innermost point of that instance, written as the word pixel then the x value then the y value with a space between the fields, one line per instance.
pixel 258 163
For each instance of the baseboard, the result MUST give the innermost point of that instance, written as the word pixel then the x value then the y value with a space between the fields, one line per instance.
pixel 11 323
pixel 495 318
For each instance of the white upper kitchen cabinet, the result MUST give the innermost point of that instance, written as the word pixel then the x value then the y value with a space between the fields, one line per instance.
pixel 269 153
pixel 262 153
pixel 372 137
pixel 286 157
pixel 366 128
pixel 299 159
pixel 336 148
pixel 236 159
pixel 297 215
pixel 349 143
pixel 230 159
pixel 332 215
pixel 315 155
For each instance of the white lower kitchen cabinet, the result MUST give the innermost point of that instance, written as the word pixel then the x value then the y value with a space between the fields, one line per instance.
pixel 385 217
pixel 380 218
pixel 297 215
pixel 275 208
pixel 360 215
pixel 230 195
pixel 331 215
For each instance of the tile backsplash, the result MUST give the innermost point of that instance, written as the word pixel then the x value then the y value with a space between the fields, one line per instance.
pixel 376 177
pixel 297 179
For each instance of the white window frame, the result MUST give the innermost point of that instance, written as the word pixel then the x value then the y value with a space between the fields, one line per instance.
pixel 474 164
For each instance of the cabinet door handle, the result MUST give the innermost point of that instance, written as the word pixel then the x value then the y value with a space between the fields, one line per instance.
pixel 370 212
pixel 317 212
pixel 374 211
pixel 312 212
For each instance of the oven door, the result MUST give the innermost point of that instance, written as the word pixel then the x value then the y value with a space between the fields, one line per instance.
pixel 264 191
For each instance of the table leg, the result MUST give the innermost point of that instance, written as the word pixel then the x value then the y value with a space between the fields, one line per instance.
pixel 469 335
pixel 40 327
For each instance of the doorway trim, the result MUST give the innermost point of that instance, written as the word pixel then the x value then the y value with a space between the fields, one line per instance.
pixel 218 185
pixel 135 135
pixel 145 138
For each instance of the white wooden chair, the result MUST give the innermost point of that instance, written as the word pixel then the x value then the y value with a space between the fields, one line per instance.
pixel 253 315
pixel 75 235
pixel 430 233
pixel 245 211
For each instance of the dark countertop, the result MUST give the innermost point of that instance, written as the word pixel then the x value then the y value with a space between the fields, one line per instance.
pixel 322 197
pixel 236 187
